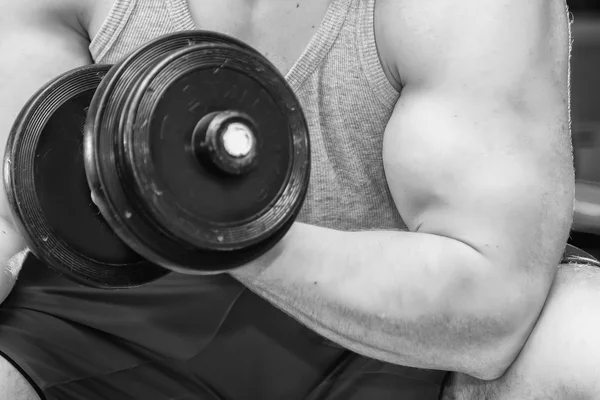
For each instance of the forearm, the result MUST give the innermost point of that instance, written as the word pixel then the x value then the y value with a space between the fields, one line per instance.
pixel 408 298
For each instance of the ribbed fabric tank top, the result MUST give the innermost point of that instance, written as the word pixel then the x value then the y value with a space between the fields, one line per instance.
pixel 345 95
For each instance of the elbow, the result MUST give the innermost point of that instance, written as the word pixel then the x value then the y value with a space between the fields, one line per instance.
pixel 491 360
pixel 497 358
pixel 13 252
pixel 7 283
pixel 508 325
pixel 8 276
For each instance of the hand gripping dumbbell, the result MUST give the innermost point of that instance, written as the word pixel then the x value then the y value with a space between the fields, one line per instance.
pixel 195 150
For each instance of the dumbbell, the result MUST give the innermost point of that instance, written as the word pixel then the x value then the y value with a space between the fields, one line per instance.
pixel 194 148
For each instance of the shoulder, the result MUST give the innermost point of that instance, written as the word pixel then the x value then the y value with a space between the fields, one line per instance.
pixel 81 17
pixel 419 39
pixel 69 14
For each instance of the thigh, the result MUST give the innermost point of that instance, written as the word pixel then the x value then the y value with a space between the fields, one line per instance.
pixel 148 381
pixel 359 378
pixel 561 359
pixel 181 337
pixel 72 342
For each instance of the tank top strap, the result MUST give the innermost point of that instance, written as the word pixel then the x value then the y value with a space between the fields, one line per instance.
pixel 112 27
pixel 369 55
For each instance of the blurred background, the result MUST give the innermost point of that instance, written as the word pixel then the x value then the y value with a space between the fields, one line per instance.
pixel 585 81
pixel 588 5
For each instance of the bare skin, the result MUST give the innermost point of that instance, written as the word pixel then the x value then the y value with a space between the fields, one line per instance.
pixel 477 156
pixel 560 359
pixel 464 71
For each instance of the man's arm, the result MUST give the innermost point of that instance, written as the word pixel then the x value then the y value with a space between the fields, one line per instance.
pixel 561 357
pixel 38 41
pixel 478 159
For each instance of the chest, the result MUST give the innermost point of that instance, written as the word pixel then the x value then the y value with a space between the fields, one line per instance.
pixel 280 29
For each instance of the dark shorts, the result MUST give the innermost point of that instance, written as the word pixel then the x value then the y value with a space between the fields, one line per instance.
pixel 182 337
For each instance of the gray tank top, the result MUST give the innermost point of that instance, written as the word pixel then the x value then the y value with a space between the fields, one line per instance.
pixel 345 95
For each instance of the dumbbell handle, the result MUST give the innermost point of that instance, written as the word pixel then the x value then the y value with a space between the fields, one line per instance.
pixel 228 141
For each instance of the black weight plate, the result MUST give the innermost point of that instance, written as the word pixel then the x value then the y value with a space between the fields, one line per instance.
pixel 152 201
pixel 103 116
pixel 49 195
pixel 115 87
pixel 184 199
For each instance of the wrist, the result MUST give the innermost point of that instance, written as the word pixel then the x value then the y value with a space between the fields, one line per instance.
pixel 251 271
